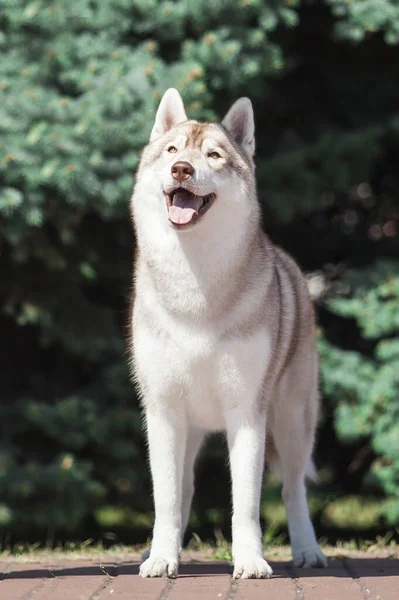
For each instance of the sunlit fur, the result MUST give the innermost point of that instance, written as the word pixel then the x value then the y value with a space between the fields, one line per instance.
pixel 223 338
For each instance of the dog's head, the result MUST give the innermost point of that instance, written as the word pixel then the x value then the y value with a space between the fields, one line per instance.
pixel 193 169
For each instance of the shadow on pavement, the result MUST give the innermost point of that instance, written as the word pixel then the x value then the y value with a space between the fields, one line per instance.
pixel 354 567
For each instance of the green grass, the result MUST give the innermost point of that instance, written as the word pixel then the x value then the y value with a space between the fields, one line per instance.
pixel 74 550
pixel 346 517
pixel 220 550
pixel 352 512
pixel 277 547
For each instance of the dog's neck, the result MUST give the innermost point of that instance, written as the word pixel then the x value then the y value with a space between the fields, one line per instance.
pixel 202 270
pixel 205 249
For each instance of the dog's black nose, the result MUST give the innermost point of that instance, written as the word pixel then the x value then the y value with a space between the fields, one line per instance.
pixel 182 170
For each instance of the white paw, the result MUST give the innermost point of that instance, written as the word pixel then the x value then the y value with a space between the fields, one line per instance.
pixel 159 566
pixel 309 557
pixel 251 567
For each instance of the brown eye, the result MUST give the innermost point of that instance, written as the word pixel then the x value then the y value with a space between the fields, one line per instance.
pixel 172 149
pixel 214 155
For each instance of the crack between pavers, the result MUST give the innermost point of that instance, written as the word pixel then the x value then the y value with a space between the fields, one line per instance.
pixel 365 590
pixel 231 594
pixel 111 573
pixel 297 582
pixel 170 584
pixel 30 594
pixel 41 585
pixel 299 589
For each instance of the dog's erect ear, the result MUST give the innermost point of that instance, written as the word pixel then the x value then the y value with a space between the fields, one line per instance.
pixel 170 113
pixel 240 124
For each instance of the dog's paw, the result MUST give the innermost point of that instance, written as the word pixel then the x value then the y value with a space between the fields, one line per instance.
pixel 309 557
pixel 159 566
pixel 251 567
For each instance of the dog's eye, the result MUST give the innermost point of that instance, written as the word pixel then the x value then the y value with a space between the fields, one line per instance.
pixel 172 149
pixel 214 155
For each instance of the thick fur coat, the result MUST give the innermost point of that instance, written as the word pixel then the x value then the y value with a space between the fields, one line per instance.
pixel 223 335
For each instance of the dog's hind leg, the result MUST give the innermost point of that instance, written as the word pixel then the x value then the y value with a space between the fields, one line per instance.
pixel 292 429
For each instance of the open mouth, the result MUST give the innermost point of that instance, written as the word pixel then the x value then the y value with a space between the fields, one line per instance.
pixel 185 208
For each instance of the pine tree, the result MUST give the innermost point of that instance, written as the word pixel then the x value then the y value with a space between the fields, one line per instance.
pixel 79 86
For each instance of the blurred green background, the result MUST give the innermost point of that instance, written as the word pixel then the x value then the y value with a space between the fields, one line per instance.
pixel 79 86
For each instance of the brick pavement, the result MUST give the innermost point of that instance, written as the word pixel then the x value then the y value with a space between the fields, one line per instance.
pixel 358 577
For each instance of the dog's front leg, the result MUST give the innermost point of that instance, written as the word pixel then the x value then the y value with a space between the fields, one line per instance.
pixel 246 439
pixel 167 435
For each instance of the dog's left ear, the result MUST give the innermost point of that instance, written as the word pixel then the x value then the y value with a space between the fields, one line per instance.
pixel 170 113
pixel 239 122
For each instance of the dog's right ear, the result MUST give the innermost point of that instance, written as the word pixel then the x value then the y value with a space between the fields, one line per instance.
pixel 170 113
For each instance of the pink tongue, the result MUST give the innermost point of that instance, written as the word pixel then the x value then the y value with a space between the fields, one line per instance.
pixel 185 206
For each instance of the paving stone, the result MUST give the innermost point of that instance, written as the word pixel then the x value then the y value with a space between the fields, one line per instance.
pixel 332 583
pixel 74 581
pixel 380 587
pixel 330 588
pixel 276 588
pixel 19 580
pixel 378 577
pixel 361 578
pixel 205 581
pixel 128 585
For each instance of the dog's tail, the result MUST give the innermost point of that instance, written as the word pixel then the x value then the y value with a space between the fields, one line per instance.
pixel 311 472
pixel 318 285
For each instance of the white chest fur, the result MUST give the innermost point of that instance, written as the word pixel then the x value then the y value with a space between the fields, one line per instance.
pixel 189 300
pixel 194 370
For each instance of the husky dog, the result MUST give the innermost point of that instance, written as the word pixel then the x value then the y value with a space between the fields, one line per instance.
pixel 223 335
